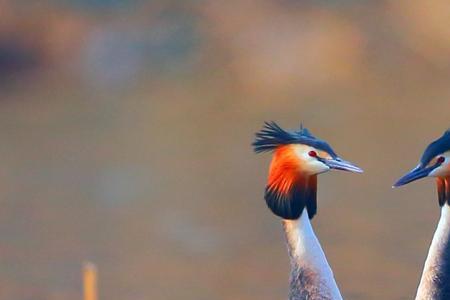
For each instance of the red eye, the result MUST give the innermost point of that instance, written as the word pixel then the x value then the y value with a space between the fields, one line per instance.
pixel 312 153
pixel 441 159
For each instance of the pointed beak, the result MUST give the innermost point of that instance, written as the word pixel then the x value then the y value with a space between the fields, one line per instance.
pixel 415 174
pixel 340 164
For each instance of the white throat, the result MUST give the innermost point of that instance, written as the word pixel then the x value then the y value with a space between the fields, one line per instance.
pixel 427 286
pixel 305 252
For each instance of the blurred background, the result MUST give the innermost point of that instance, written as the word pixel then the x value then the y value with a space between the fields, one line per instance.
pixel 126 129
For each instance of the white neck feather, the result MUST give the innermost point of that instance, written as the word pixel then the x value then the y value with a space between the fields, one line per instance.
pixel 305 250
pixel 432 263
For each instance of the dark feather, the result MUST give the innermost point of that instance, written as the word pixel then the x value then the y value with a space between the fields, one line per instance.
pixel 443 189
pixel 440 182
pixel 273 136
pixel 437 147
pixel 306 284
pixel 291 204
pixel 311 203
pixel 447 190
pixel 440 286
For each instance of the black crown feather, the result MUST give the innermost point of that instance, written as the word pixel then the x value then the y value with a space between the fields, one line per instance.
pixel 437 147
pixel 273 136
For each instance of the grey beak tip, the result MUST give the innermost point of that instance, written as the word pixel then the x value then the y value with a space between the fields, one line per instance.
pixel 397 184
pixel 358 170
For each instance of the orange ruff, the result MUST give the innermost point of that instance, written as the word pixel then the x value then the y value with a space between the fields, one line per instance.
pixel 443 187
pixel 284 170
pixel 447 188
pixel 440 182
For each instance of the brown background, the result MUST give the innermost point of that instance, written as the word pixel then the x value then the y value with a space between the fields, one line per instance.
pixel 125 139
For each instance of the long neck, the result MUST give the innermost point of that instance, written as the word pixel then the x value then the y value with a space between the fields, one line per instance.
pixel 311 276
pixel 435 281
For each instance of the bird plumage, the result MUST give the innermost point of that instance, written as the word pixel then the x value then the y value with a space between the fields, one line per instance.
pixel 311 276
pixel 435 280
pixel 443 189
pixel 437 147
pixel 288 189
pixel 435 162
pixel 272 136
pixel 298 157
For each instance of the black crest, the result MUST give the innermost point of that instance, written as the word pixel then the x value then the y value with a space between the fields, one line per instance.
pixel 302 194
pixel 272 136
pixel 437 147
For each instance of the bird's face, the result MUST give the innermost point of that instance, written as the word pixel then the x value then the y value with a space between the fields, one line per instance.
pixel 435 162
pixel 298 157
pixel 442 163
pixel 312 161
pixel 438 166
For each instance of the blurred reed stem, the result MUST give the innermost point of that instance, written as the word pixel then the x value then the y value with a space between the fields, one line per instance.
pixel 90 281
